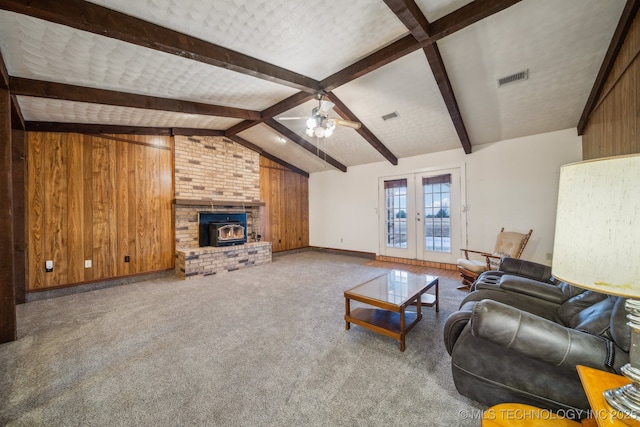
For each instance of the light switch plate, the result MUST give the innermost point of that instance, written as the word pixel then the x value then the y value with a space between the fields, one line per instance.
pixel 87 263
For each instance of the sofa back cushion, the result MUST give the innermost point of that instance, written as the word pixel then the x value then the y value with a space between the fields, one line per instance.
pixel 573 306
pixel 595 319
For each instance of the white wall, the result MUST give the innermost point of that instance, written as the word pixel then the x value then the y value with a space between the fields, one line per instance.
pixel 511 184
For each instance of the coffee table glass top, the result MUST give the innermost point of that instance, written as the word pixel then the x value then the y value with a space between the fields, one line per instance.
pixel 396 287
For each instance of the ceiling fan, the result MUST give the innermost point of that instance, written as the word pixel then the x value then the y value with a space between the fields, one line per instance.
pixel 319 123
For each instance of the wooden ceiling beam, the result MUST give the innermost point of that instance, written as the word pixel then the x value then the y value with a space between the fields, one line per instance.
pixel 288 133
pixel 455 21
pixel 624 24
pixel 17 119
pixel 4 75
pixel 364 132
pixel 411 16
pixel 467 15
pixel 100 20
pixel 196 132
pixel 251 146
pixel 42 89
pixel 274 110
pixel 95 129
pixel 380 58
pixel 446 90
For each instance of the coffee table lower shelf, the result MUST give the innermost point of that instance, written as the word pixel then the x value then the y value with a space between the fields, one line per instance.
pixel 384 322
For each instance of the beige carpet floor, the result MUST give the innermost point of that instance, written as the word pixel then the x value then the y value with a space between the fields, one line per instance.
pixel 262 346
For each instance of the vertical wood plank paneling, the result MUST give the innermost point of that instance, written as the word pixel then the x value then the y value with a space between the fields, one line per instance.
pixel 614 126
pixel 87 155
pixel 304 217
pixel 75 229
pixel 166 206
pixel 112 220
pixel 100 162
pixel 275 199
pixel 285 217
pixel 97 198
pixel 152 190
pixel 292 211
pixel 35 211
pixel 142 206
pixel 132 210
pixel 56 208
pixel 265 196
pixel 122 206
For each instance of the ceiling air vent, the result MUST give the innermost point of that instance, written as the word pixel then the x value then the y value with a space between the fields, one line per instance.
pixel 513 78
pixel 390 116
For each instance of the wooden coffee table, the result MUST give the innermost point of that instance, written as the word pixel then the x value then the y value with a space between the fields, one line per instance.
pixel 390 295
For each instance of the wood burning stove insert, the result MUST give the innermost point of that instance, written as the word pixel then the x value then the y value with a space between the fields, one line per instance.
pixel 222 229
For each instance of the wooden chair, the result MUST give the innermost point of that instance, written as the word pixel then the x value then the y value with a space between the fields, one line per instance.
pixel 508 243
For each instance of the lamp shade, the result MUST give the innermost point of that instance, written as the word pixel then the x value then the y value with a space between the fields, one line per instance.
pixel 597 238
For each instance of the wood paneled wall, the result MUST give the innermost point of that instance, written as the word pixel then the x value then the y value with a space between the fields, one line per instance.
pixel 614 126
pixel 97 198
pixel 285 217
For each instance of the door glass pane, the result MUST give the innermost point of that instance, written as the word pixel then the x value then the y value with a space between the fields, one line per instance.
pixel 396 213
pixel 437 222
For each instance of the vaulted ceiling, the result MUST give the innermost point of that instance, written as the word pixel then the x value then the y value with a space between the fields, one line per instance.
pixel 235 67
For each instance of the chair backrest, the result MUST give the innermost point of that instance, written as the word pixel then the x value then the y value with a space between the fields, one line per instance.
pixel 510 243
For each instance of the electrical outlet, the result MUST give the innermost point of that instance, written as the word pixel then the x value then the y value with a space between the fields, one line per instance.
pixel 87 263
pixel 48 266
pixel 127 258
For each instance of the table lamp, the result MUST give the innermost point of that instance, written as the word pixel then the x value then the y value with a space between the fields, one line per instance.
pixel 597 247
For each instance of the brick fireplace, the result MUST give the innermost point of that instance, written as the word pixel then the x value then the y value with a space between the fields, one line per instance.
pixel 214 174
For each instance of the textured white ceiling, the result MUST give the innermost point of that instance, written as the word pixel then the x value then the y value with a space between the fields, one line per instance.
pixel 561 43
pixel 407 87
pixel 37 49
pixel 313 38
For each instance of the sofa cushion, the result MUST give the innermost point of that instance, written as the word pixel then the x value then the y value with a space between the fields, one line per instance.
pixel 570 308
pixel 596 318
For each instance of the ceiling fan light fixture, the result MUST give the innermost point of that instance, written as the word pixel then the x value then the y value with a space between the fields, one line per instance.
pixel 328 132
pixel 310 132
pixel 331 124
pixel 311 123
pixel 320 132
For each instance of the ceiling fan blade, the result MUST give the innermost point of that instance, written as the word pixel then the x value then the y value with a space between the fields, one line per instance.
pixel 325 107
pixel 291 118
pixel 348 123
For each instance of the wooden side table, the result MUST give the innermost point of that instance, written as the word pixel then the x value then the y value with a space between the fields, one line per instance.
pixel 595 382
pixel 521 415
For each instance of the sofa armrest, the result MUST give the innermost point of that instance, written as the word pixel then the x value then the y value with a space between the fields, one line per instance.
pixel 529 269
pixel 538 338
pixel 455 324
pixel 540 290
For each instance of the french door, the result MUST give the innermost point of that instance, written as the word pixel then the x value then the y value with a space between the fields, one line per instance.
pixel 421 215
